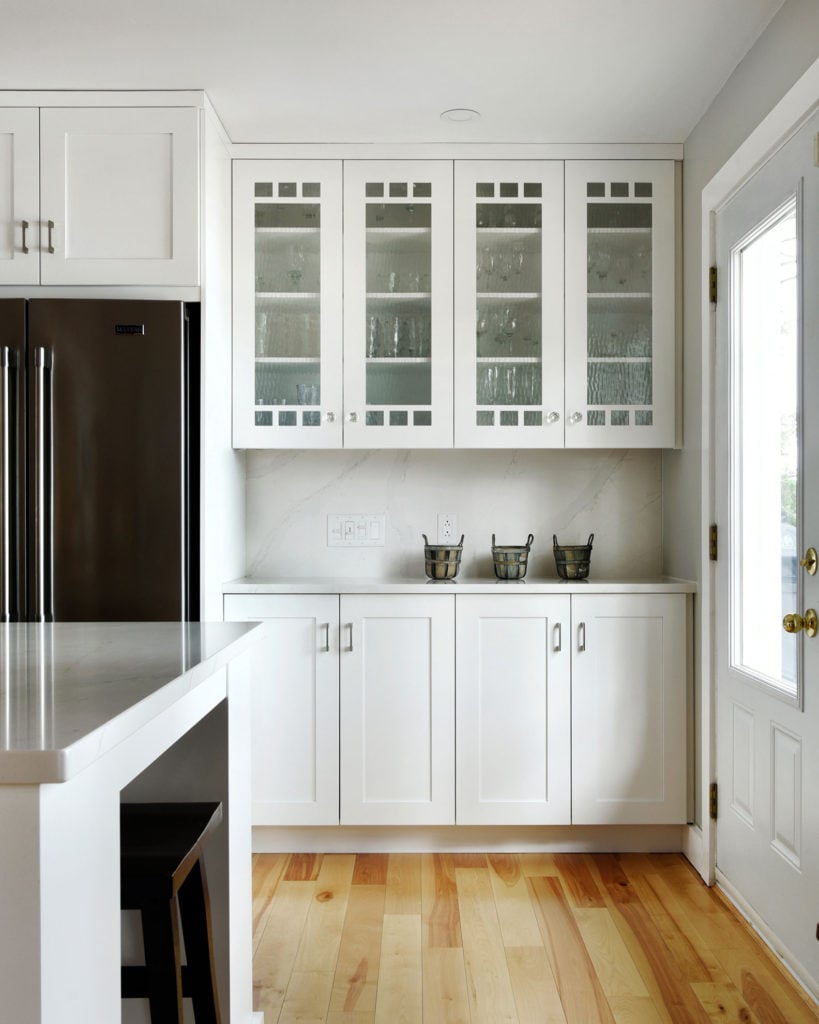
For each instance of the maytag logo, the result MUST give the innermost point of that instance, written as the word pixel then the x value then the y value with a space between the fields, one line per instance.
pixel 129 328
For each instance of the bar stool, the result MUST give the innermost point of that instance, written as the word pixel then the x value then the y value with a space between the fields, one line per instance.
pixel 160 863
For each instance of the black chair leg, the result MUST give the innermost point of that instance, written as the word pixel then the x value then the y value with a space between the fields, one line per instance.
pixel 160 932
pixel 200 976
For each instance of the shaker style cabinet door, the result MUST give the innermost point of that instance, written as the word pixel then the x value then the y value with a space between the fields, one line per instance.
pixel 508 304
pixel 119 195
pixel 287 304
pixel 629 674
pixel 294 738
pixel 397 709
pixel 620 305
pixel 513 719
pixel 398 304
pixel 19 195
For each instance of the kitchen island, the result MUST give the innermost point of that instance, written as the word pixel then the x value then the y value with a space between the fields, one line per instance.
pixel 92 714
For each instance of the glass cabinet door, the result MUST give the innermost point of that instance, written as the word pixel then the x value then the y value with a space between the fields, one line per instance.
pixel 287 304
pixel 509 304
pixel 620 311
pixel 398 304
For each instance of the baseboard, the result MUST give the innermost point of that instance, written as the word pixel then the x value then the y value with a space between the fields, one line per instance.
pixel 467 839
pixel 771 940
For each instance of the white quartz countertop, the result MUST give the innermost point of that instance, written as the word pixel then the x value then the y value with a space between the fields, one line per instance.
pixel 461 585
pixel 71 691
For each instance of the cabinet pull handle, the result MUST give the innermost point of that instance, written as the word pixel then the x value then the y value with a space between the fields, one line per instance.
pixel 581 637
pixel 350 628
pixel 50 246
pixel 558 638
pixel 44 500
pixel 24 247
pixel 326 627
pixel 7 455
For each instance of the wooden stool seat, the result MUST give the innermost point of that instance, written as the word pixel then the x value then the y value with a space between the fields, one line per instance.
pixel 161 863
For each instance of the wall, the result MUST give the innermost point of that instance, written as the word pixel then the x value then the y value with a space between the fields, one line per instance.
pixel 614 494
pixel 780 56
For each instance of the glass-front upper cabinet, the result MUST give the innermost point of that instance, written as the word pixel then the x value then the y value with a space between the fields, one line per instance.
pixel 509 304
pixel 620 310
pixel 398 304
pixel 287 304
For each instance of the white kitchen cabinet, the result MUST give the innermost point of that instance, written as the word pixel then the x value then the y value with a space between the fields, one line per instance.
pixel 629 709
pixel 19 200
pixel 294 738
pixel 397 304
pixel 109 196
pixel 513 700
pixel 620 304
pixel 509 304
pixel 397 709
pixel 287 304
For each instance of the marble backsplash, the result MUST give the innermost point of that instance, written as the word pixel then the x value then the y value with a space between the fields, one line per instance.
pixel 614 494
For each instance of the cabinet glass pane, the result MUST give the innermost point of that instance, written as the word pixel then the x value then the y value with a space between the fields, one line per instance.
pixel 619 314
pixel 287 288
pixel 397 337
pixel 509 303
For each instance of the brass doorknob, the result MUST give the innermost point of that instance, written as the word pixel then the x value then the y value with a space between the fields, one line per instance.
pixel 794 623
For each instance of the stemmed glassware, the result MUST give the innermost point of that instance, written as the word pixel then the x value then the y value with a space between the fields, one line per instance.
pixel 297 259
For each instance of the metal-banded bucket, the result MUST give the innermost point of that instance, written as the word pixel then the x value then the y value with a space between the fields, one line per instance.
pixel 572 560
pixel 510 561
pixel 442 561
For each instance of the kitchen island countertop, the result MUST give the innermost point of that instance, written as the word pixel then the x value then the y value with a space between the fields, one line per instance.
pixel 460 585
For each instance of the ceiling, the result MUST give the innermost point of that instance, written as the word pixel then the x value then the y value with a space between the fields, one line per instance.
pixel 382 70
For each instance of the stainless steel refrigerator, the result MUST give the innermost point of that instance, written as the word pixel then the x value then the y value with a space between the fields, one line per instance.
pixel 99 418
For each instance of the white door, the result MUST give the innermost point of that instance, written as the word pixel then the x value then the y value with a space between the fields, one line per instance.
pixel 629 672
pixel 19 195
pixel 287 303
pixel 294 737
pixel 119 195
pixel 767 474
pixel 513 710
pixel 398 304
pixel 397 709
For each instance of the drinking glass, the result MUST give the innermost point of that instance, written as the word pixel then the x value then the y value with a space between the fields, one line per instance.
pixel 395 341
pixel 296 259
pixel 622 268
pixel 602 263
pixel 302 393
pixel 511 384
pixel 373 330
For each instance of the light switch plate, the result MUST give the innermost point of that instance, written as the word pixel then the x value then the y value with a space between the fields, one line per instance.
pixel 356 530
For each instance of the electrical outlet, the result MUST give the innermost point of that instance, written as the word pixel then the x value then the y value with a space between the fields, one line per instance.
pixel 447 527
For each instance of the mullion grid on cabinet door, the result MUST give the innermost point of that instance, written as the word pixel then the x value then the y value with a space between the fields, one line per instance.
pixel 510 342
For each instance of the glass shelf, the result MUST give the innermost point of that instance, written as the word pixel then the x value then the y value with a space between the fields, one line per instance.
pixel 390 297
pixel 398 361
pixel 305 232
pixel 645 232
pixel 289 360
pixel 506 296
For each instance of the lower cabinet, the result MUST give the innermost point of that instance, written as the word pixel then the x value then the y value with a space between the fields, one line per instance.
pixel 571 709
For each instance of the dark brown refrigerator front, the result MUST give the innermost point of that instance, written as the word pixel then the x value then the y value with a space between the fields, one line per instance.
pixel 99 457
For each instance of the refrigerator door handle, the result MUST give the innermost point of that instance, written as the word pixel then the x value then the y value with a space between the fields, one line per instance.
pixel 44 533
pixel 6 464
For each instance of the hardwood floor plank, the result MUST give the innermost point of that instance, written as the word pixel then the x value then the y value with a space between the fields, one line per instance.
pixel 615 882
pixel 445 999
pixel 513 906
pixel 488 986
pixel 370 869
pixel 537 1000
pixel 278 947
pixel 580 990
pixel 307 997
pixel 439 897
pixel 772 996
pixel 538 865
pixel 506 866
pixel 578 880
pixel 399 998
pixel 267 870
pixel 356 977
pixel 722 1003
pixel 403 884
pixel 466 860
pixel 321 937
pixel 303 867
pixel 356 1017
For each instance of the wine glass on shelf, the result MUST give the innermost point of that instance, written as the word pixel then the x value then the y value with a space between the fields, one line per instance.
pixel 297 259
pixel 373 327
pixel 622 268
pixel 602 263
pixel 395 347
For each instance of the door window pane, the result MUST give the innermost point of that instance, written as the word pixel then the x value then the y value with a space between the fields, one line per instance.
pixel 765 446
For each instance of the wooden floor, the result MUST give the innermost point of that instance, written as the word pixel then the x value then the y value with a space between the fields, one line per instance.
pixel 486 939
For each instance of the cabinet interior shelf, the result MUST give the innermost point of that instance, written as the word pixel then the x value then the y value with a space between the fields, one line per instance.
pixel 289 360
pixel 645 232
pixel 399 361
pixel 513 234
pixel 619 296
pixel 398 232
pixel 509 359
pixel 299 232
pixel 508 296
pixel 399 296
pixel 619 359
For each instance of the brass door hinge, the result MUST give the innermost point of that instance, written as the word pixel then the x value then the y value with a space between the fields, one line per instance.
pixel 712 801
pixel 713 542
pixel 712 285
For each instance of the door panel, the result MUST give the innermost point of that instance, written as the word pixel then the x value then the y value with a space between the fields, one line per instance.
pixel 12 460
pixel 19 177
pixel 767 473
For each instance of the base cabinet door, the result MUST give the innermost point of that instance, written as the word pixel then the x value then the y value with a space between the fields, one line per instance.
pixel 294 736
pixel 629 709
pixel 513 699
pixel 397 709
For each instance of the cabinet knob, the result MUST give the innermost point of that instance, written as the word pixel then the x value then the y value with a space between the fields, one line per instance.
pixel 553 417
pixel 352 417
pixel 576 417
pixel 329 417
